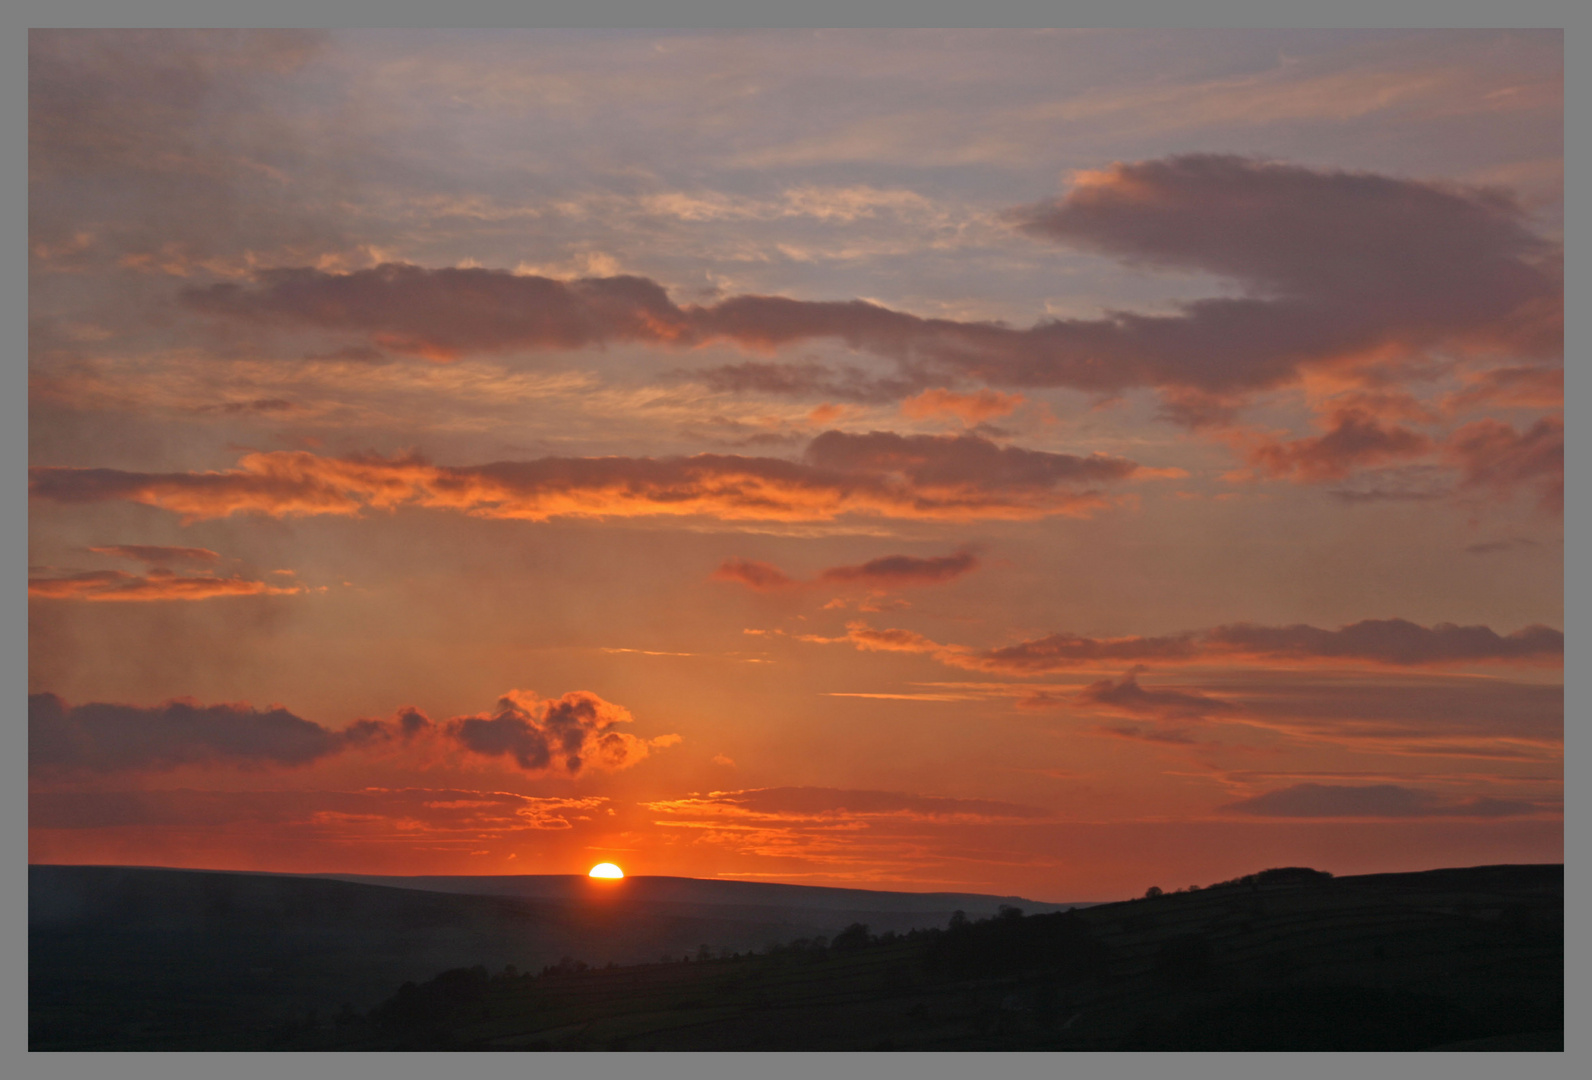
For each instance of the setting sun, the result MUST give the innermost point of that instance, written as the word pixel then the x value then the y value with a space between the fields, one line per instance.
pixel 606 870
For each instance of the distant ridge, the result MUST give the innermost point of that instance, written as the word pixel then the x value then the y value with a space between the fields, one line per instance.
pixel 651 889
pixel 708 891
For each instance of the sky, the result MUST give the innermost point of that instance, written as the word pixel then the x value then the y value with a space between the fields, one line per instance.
pixel 1050 463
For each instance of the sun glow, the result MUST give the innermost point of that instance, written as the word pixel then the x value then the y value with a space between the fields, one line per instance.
pixel 606 870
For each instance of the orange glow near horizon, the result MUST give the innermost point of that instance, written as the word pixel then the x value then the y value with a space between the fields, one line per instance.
pixel 607 871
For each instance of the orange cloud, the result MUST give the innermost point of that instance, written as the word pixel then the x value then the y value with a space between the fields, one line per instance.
pixel 971 409
pixel 867 639
pixel 1494 456
pixel 158 584
pixel 1356 439
pixel 961 477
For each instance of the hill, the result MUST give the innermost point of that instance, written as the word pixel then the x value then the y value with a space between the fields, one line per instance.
pixel 1283 960
pixel 1466 959
pixel 717 891
pixel 130 957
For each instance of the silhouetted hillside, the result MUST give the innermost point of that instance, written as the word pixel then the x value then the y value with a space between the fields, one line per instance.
pixel 1450 959
pixel 1289 959
pixel 719 891
pixel 149 958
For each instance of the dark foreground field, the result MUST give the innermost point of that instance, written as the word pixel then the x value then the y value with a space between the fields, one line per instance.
pixel 1450 959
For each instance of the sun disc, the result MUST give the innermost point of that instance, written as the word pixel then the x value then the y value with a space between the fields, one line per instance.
pixel 606 870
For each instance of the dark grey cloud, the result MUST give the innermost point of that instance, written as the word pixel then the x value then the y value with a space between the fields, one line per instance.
pixel 897 571
pixel 1382 641
pixel 563 735
pixel 566 734
pixel 1335 266
pixel 1127 696
pixel 426 812
pixel 1390 641
pixel 105 738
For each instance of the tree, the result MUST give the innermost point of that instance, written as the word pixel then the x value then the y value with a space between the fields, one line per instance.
pixel 852 938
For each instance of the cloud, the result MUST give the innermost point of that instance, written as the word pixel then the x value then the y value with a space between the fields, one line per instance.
pixel 1170 736
pixel 1061 651
pixel 965 462
pixel 561 736
pixel 820 803
pixel 1125 695
pixel 158 556
pixel 1337 264
pixel 971 409
pixel 867 639
pixel 802 379
pixel 1356 439
pixel 960 477
pixel 1511 388
pixel 158 584
pixel 1486 717
pixel 878 575
pixel 1380 641
pixel 445 313
pixel 1389 641
pixel 899 571
pixel 107 738
pixel 1493 456
pixel 1336 267
pixel 423 814
pixel 565 734
pixel 758 576
pixel 1372 801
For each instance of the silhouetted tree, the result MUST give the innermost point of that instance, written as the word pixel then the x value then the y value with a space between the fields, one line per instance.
pixel 852 938
pixel 1292 875
pixel 1059 943
pixel 429 1004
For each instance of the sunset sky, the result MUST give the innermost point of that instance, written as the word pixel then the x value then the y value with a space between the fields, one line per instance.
pixel 1038 462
